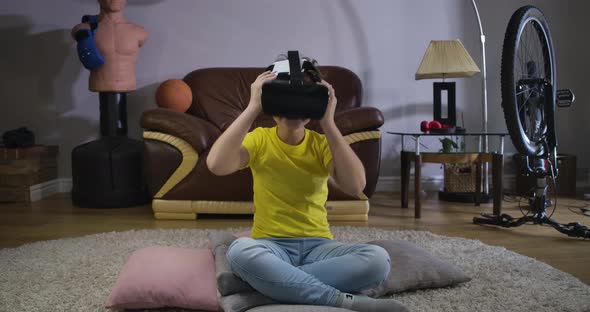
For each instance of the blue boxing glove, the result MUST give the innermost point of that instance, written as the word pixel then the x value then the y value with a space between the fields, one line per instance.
pixel 91 19
pixel 87 51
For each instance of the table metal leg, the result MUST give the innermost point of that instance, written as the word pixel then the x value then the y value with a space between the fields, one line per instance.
pixel 497 177
pixel 417 188
pixel 405 175
pixel 477 197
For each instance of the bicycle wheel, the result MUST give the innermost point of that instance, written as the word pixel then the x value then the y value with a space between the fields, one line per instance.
pixel 528 68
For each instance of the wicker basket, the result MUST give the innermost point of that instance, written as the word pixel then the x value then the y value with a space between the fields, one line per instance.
pixel 460 178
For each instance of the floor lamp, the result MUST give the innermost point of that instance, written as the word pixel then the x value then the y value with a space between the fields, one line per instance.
pixel 484 96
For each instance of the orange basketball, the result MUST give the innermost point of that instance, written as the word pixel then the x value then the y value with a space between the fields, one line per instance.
pixel 174 94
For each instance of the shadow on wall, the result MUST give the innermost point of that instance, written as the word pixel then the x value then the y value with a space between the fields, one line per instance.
pixel 391 165
pixel 39 70
pixel 360 37
pixel 130 3
pixel 494 29
pixel 139 101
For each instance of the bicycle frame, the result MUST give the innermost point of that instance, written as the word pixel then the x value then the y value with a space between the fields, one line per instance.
pixel 538 166
pixel 530 117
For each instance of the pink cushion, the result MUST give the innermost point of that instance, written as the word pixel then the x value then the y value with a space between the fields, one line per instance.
pixel 156 276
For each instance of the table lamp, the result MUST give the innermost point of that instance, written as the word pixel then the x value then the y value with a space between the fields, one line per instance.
pixel 445 59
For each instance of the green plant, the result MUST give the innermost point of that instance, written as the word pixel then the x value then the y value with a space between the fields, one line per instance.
pixel 448 145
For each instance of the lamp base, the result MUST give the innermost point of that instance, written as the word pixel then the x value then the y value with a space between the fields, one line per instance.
pixel 450 109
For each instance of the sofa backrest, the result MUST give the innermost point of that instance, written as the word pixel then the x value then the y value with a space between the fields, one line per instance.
pixel 221 94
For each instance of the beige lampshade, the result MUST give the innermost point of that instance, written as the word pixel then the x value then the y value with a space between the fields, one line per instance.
pixel 446 59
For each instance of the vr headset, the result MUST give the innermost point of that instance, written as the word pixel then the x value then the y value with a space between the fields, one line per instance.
pixel 289 95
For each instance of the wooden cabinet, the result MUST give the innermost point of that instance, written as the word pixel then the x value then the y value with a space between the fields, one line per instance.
pixel 22 168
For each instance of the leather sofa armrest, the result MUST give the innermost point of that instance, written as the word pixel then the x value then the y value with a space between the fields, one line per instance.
pixel 354 120
pixel 358 119
pixel 199 133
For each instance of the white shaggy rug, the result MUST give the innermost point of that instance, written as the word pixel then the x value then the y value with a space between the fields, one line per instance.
pixel 76 274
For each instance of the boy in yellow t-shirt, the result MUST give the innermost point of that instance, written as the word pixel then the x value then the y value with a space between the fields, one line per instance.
pixel 290 256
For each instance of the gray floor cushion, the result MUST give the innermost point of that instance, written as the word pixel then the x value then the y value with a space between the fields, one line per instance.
pixel 412 268
pixel 296 308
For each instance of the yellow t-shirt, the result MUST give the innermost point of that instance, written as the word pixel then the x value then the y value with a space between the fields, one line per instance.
pixel 290 184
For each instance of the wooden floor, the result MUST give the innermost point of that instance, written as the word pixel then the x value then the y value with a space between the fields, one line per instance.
pixel 55 218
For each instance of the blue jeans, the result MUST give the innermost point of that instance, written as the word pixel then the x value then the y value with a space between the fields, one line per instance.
pixel 307 270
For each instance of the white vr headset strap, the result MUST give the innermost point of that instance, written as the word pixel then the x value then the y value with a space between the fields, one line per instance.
pixel 283 66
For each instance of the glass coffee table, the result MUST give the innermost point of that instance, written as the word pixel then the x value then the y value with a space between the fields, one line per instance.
pixel 468 148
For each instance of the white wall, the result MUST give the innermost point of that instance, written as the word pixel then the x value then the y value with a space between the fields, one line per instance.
pixel 571 32
pixel 567 23
pixel 44 87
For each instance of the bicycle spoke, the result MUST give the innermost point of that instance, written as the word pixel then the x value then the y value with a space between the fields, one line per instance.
pixel 529 89
pixel 531 64
pixel 525 102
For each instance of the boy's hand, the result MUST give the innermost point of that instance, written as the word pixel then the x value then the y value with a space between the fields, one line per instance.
pixel 328 118
pixel 256 90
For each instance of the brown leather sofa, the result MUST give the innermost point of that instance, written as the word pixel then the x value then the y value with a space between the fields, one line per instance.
pixel 177 144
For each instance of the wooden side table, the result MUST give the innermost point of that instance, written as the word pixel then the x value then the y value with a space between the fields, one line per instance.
pixel 497 161
pixel 496 158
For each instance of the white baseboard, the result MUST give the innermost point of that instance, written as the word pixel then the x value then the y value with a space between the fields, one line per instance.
pixel 429 184
pixel 65 185
pixel 394 183
pixel 384 184
pixel 49 188
pixel 435 183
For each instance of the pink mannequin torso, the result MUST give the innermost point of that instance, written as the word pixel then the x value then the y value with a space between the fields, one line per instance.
pixel 119 41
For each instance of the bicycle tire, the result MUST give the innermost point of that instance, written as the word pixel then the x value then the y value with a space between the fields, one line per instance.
pixel 510 105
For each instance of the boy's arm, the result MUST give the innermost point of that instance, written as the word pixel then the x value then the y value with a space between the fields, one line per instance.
pixel 227 154
pixel 345 167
